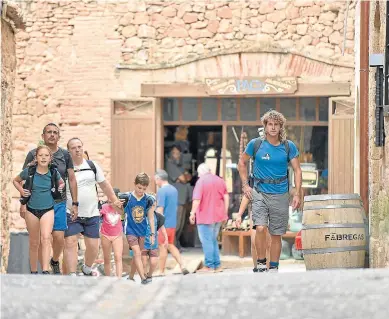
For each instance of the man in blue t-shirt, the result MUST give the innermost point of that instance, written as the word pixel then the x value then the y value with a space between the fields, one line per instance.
pixel 270 190
pixel 167 205
pixel 139 208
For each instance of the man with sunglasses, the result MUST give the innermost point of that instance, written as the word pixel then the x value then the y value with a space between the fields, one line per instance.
pixel 64 164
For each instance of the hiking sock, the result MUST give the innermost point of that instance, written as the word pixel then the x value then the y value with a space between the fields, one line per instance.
pixel 274 265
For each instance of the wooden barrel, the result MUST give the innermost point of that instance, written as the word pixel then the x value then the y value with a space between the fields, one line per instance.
pixel 334 232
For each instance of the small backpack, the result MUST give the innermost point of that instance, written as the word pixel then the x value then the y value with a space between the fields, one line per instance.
pixel 57 195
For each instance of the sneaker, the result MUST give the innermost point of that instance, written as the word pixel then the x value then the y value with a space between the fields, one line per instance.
pixel 132 279
pixel 149 279
pixel 55 267
pixel 45 273
pixel 92 273
pixel 274 270
pixel 145 281
pixel 185 271
pixel 255 269
pixel 261 267
pixel 34 272
pixel 73 274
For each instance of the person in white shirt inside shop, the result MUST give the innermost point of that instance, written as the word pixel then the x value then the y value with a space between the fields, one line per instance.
pixel 88 174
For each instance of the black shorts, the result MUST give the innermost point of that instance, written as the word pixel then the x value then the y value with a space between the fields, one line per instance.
pixel 39 212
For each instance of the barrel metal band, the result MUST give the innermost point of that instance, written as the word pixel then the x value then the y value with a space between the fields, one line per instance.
pixel 333 250
pixel 331 207
pixel 329 197
pixel 319 226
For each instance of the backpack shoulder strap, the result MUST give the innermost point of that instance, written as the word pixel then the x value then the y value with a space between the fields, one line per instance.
pixel 92 166
pixel 287 149
pixel 257 146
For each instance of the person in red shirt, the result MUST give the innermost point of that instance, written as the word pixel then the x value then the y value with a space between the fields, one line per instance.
pixel 209 210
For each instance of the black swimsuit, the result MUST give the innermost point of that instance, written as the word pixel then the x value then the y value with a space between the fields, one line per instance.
pixel 39 212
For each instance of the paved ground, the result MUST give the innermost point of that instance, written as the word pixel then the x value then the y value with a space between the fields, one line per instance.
pixel 233 294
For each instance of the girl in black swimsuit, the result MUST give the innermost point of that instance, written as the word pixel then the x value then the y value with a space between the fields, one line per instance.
pixel 40 206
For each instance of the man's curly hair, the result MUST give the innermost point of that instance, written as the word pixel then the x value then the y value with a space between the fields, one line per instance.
pixel 278 118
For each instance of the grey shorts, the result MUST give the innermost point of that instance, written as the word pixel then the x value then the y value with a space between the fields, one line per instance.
pixel 271 210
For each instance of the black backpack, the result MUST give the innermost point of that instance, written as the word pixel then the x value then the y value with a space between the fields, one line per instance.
pixel 252 179
pixel 57 195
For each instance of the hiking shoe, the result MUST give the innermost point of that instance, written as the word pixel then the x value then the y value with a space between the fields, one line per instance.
pixel 55 267
pixel 145 281
pixel 261 267
pixel 273 270
pixel 255 269
pixel 45 273
pixel 34 272
pixel 185 271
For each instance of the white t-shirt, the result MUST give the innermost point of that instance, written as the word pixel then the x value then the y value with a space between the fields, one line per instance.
pixel 86 185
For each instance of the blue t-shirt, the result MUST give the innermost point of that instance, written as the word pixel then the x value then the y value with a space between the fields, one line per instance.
pixel 41 197
pixel 148 245
pixel 167 197
pixel 136 214
pixel 271 163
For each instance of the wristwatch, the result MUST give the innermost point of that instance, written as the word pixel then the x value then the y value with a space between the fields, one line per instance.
pixel 75 204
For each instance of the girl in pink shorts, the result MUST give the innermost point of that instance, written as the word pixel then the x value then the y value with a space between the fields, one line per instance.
pixel 111 237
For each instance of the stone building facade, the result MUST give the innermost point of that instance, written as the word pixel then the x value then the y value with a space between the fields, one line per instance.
pixel 378 156
pixel 76 57
pixel 11 21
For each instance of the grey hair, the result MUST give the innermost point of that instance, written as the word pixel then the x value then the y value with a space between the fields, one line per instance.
pixel 161 174
pixel 203 169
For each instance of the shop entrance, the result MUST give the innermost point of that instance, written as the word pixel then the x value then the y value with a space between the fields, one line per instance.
pixel 198 144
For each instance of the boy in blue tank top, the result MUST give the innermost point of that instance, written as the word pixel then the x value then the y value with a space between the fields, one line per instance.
pixel 139 209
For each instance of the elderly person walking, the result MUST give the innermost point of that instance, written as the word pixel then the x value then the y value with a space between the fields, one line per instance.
pixel 209 210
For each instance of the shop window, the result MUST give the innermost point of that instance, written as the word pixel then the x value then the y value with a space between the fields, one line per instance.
pixel 267 104
pixel 308 108
pixel 323 109
pixel 170 110
pixel 229 110
pixel 248 109
pixel 209 109
pixel 189 109
pixel 288 108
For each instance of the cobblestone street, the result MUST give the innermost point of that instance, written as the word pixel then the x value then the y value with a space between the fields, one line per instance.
pixel 232 294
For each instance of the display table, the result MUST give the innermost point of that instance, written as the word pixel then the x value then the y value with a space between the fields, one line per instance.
pixel 238 242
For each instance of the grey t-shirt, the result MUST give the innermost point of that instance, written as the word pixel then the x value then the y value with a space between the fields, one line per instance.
pixel 61 159
pixel 175 170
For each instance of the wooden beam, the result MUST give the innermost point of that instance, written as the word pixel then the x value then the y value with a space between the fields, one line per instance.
pixel 198 90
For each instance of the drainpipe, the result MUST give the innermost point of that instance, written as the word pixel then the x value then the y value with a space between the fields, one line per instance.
pixel 364 104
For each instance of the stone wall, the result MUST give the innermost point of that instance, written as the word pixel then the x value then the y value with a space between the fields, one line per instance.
pixel 9 22
pixel 75 57
pixel 379 156
pixel 158 36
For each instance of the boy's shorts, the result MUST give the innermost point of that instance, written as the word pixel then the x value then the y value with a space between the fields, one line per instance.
pixel 136 241
pixel 271 210
pixel 171 235
pixel 150 252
